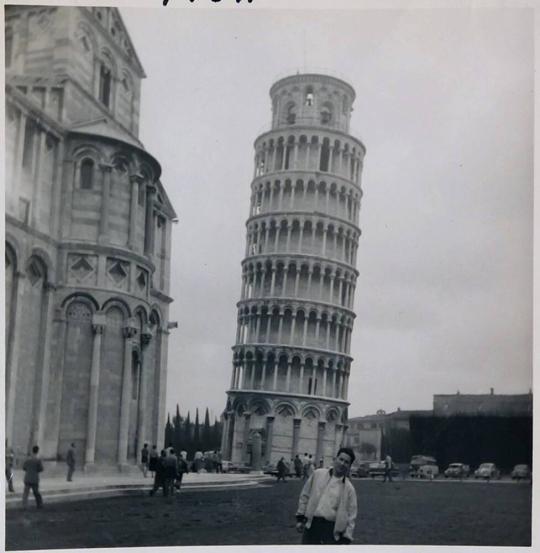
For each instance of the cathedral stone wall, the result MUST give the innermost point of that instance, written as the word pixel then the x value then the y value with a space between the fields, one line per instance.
pixel 88 225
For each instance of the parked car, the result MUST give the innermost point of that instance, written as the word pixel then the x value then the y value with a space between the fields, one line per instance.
pixel 487 471
pixel 360 470
pixel 418 461
pixel 428 471
pixel 457 470
pixel 521 472
pixel 378 468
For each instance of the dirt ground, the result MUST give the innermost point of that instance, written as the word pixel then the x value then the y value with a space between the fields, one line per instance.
pixel 402 513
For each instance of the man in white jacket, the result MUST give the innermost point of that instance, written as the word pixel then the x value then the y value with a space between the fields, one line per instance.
pixel 327 506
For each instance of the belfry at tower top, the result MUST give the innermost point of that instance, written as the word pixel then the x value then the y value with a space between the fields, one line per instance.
pixel 312 99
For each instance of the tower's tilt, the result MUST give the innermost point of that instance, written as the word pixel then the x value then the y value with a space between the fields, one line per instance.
pixel 291 360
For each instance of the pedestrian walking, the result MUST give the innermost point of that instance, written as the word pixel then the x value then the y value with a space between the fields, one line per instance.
pixel 181 469
pixel 327 506
pixel 281 470
pixel 145 457
pixel 308 466
pixel 197 461
pixel 219 462
pixel 10 463
pixel 32 468
pixel 159 477
pixel 170 473
pixel 152 460
pixel 387 468
pixel 70 461
pixel 298 466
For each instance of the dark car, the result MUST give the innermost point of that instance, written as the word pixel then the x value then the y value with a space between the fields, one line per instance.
pixel 521 472
pixel 457 470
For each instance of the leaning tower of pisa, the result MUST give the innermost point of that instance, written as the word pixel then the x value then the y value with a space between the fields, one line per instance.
pixel 291 359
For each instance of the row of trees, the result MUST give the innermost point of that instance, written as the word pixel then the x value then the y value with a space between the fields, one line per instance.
pixel 505 441
pixel 185 435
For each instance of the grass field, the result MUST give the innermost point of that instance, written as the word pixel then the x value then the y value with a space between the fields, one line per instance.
pixel 402 513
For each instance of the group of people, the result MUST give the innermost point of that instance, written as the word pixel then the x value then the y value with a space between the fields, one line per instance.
pixel 303 467
pixel 327 506
pixel 167 469
pixel 32 468
pixel 211 462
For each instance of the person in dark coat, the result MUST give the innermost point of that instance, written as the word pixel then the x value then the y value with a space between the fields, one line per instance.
pixel 281 470
pixel 298 466
pixel 70 460
pixel 152 460
pixel 181 469
pixel 32 467
pixel 144 459
pixel 171 470
pixel 159 477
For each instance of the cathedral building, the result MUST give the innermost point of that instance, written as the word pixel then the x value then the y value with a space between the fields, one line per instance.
pixel 291 359
pixel 88 241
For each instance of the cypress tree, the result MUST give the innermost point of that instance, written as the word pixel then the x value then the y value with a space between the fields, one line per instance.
pixel 177 441
pixel 216 434
pixel 207 442
pixel 188 436
pixel 196 432
pixel 168 431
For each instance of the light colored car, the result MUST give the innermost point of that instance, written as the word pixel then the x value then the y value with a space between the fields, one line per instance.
pixel 487 471
pixel 428 471
pixel 521 472
pixel 457 470
pixel 418 461
pixel 360 470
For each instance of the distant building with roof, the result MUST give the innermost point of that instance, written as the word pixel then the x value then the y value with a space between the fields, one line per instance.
pixel 483 404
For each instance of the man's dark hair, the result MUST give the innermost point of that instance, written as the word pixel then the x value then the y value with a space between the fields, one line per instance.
pixel 348 451
pixel 145 445
pixel 35 449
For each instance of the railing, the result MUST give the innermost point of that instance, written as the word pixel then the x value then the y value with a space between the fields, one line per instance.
pixel 308 70
pixel 305 122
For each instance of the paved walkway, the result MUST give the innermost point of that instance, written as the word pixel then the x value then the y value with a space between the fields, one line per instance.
pixel 55 488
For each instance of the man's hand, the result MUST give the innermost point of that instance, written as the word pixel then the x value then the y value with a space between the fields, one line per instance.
pixel 300 527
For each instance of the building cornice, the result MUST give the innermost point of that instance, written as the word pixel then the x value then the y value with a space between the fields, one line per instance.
pixel 295 256
pixel 298 303
pixel 307 214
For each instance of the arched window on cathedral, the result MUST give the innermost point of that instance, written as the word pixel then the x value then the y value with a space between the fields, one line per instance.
pixel 105 81
pixel 87 174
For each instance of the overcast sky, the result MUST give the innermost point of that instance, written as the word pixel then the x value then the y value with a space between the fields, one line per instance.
pixel 445 108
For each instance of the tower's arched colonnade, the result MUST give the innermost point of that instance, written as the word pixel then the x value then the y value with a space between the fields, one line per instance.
pixel 291 359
